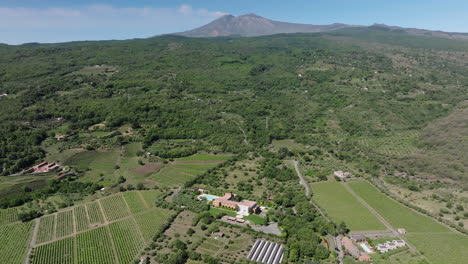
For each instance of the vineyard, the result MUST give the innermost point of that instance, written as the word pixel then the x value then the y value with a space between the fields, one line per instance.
pixel 60 252
pixel 103 231
pixel 8 216
pixel 114 207
pixel 14 242
pixel 135 202
pixel 394 145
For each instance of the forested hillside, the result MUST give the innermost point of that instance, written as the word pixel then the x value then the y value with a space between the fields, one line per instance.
pixel 330 90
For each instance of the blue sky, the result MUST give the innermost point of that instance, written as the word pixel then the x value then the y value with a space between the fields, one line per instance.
pixel 67 20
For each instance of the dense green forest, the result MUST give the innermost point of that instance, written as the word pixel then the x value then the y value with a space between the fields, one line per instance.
pixel 236 94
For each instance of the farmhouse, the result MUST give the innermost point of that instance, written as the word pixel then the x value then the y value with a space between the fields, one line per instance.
pixel 243 208
pixel 43 167
pixel 401 231
pixel 390 245
pixel 358 238
pixel 59 137
pixel 342 174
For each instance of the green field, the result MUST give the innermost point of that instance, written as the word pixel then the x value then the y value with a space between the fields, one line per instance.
pixel 95 241
pixel 206 157
pixel 135 202
pixel 340 205
pixel 395 213
pixel 441 248
pixel 216 211
pixel 438 243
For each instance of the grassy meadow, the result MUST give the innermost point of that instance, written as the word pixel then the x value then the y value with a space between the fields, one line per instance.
pixel 340 205
pixel 435 241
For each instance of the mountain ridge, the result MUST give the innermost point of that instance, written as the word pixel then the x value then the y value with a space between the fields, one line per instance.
pixel 251 25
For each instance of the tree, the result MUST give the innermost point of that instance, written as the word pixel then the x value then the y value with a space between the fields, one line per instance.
pixel 321 252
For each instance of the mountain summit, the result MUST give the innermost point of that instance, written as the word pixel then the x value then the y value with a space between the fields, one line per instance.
pixel 249 25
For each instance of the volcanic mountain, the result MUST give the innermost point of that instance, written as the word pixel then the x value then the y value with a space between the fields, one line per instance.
pixel 251 25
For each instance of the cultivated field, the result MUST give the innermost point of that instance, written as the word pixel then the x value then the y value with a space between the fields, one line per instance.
pixel 396 214
pixel 185 169
pixel 111 230
pixel 393 145
pixel 14 241
pixel 340 205
pixel 438 243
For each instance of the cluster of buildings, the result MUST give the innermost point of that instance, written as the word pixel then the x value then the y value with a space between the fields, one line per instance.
pixel 342 174
pixel 243 208
pixel 43 167
pixel 233 220
pixel 351 247
pixel 358 247
pixel 390 245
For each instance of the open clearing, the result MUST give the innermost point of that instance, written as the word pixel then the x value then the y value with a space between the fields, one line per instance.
pixel 342 206
pixel 438 243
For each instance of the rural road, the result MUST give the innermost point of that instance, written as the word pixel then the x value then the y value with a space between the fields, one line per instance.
pixel 303 182
pixel 381 219
pixel 33 239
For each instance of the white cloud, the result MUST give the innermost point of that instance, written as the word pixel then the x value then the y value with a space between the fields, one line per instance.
pixel 92 22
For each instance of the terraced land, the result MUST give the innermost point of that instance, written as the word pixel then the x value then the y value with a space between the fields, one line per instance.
pixel 95 240
pixel 340 205
pixel 434 240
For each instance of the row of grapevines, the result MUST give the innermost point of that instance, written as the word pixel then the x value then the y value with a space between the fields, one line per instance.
pixel 46 230
pixel 127 239
pixel 150 222
pixel 94 247
pixel 64 224
pixel 150 197
pixel 81 218
pixel 95 213
pixel 8 215
pixel 14 242
pixel 135 202
pixel 114 207
pixel 58 252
